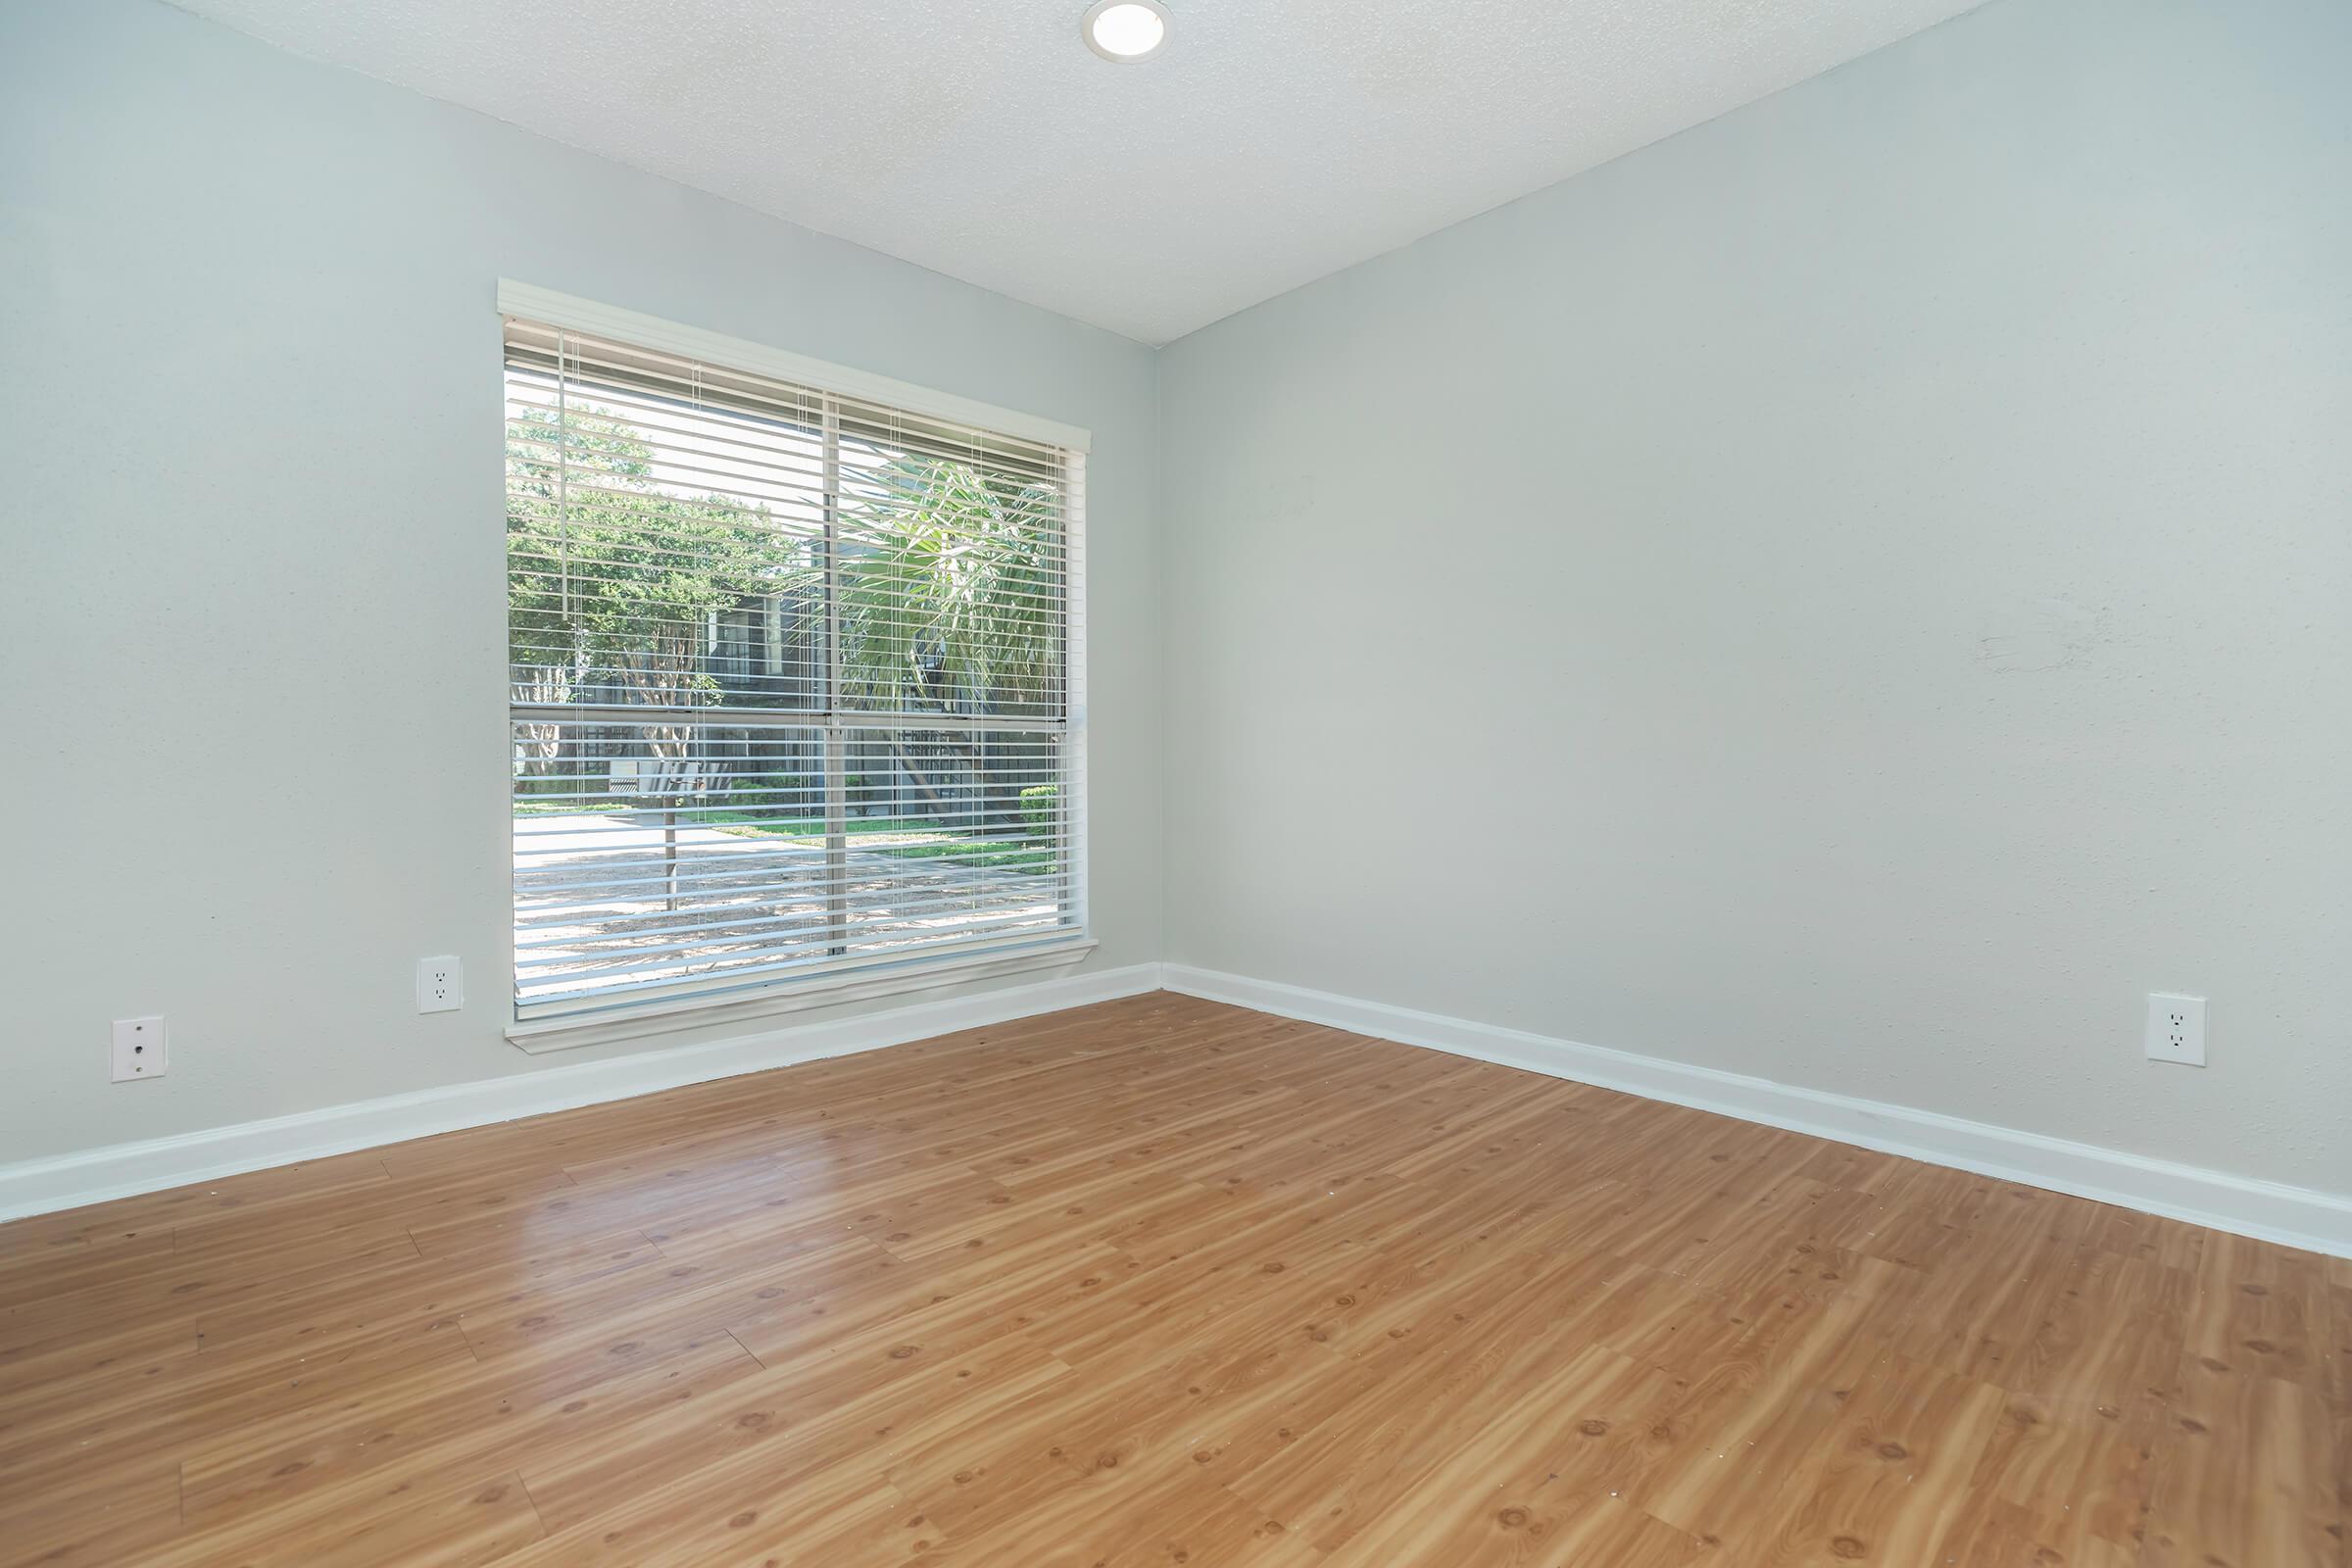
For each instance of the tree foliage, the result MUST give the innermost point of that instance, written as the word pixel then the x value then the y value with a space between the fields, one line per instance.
pixel 949 596
pixel 611 579
pixel 950 580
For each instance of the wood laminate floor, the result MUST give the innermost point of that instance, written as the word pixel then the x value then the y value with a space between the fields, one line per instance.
pixel 1158 1281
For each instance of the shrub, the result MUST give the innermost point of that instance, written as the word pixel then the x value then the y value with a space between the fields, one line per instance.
pixel 775 792
pixel 1041 807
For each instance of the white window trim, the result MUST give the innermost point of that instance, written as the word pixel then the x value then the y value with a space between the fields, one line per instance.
pixel 1068 947
pixel 736 353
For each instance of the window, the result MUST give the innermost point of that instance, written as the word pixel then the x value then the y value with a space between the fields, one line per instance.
pixel 791 681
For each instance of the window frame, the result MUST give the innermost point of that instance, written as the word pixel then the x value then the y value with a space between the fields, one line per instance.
pixel 1065 947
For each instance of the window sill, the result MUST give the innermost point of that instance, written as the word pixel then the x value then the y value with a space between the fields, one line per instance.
pixel 564 1034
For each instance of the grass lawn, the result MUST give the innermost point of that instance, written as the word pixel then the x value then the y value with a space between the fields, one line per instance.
pixel 910 838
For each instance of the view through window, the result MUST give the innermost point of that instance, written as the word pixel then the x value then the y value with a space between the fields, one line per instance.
pixel 790 687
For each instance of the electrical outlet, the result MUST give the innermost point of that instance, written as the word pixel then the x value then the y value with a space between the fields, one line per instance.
pixel 139 1048
pixel 440 985
pixel 2176 1029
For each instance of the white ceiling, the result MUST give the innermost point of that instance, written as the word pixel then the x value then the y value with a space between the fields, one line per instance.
pixel 1271 142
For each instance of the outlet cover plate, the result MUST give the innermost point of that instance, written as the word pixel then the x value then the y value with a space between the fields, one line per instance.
pixel 140 1049
pixel 440 984
pixel 2175 1028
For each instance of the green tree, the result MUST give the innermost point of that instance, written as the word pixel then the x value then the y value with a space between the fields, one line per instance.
pixel 950 601
pixel 950 592
pixel 612 580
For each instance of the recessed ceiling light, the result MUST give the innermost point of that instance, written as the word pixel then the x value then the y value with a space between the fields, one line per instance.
pixel 1125 30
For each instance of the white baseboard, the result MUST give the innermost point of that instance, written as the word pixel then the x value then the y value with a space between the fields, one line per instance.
pixel 2270 1212
pixel 123 1170
pixel 2295 1216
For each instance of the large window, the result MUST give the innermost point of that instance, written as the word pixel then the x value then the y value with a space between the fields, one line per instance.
pixel 790 682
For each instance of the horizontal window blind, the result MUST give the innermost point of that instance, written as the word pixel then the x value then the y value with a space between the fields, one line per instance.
pixel 790 681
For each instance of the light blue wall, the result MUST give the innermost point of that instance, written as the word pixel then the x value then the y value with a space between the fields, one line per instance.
pixel 1856 594
pixel 251 613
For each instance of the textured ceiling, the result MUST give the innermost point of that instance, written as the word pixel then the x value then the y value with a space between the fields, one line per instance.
pixel 1271 142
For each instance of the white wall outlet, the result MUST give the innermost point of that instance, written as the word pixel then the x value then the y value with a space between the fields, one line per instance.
pixel 440 985
pixel 2177 1028
pixel 139 1048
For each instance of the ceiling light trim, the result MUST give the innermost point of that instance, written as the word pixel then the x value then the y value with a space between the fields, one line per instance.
pixel 1096 14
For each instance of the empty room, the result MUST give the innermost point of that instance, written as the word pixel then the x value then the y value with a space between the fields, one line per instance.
pixel 1416 784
